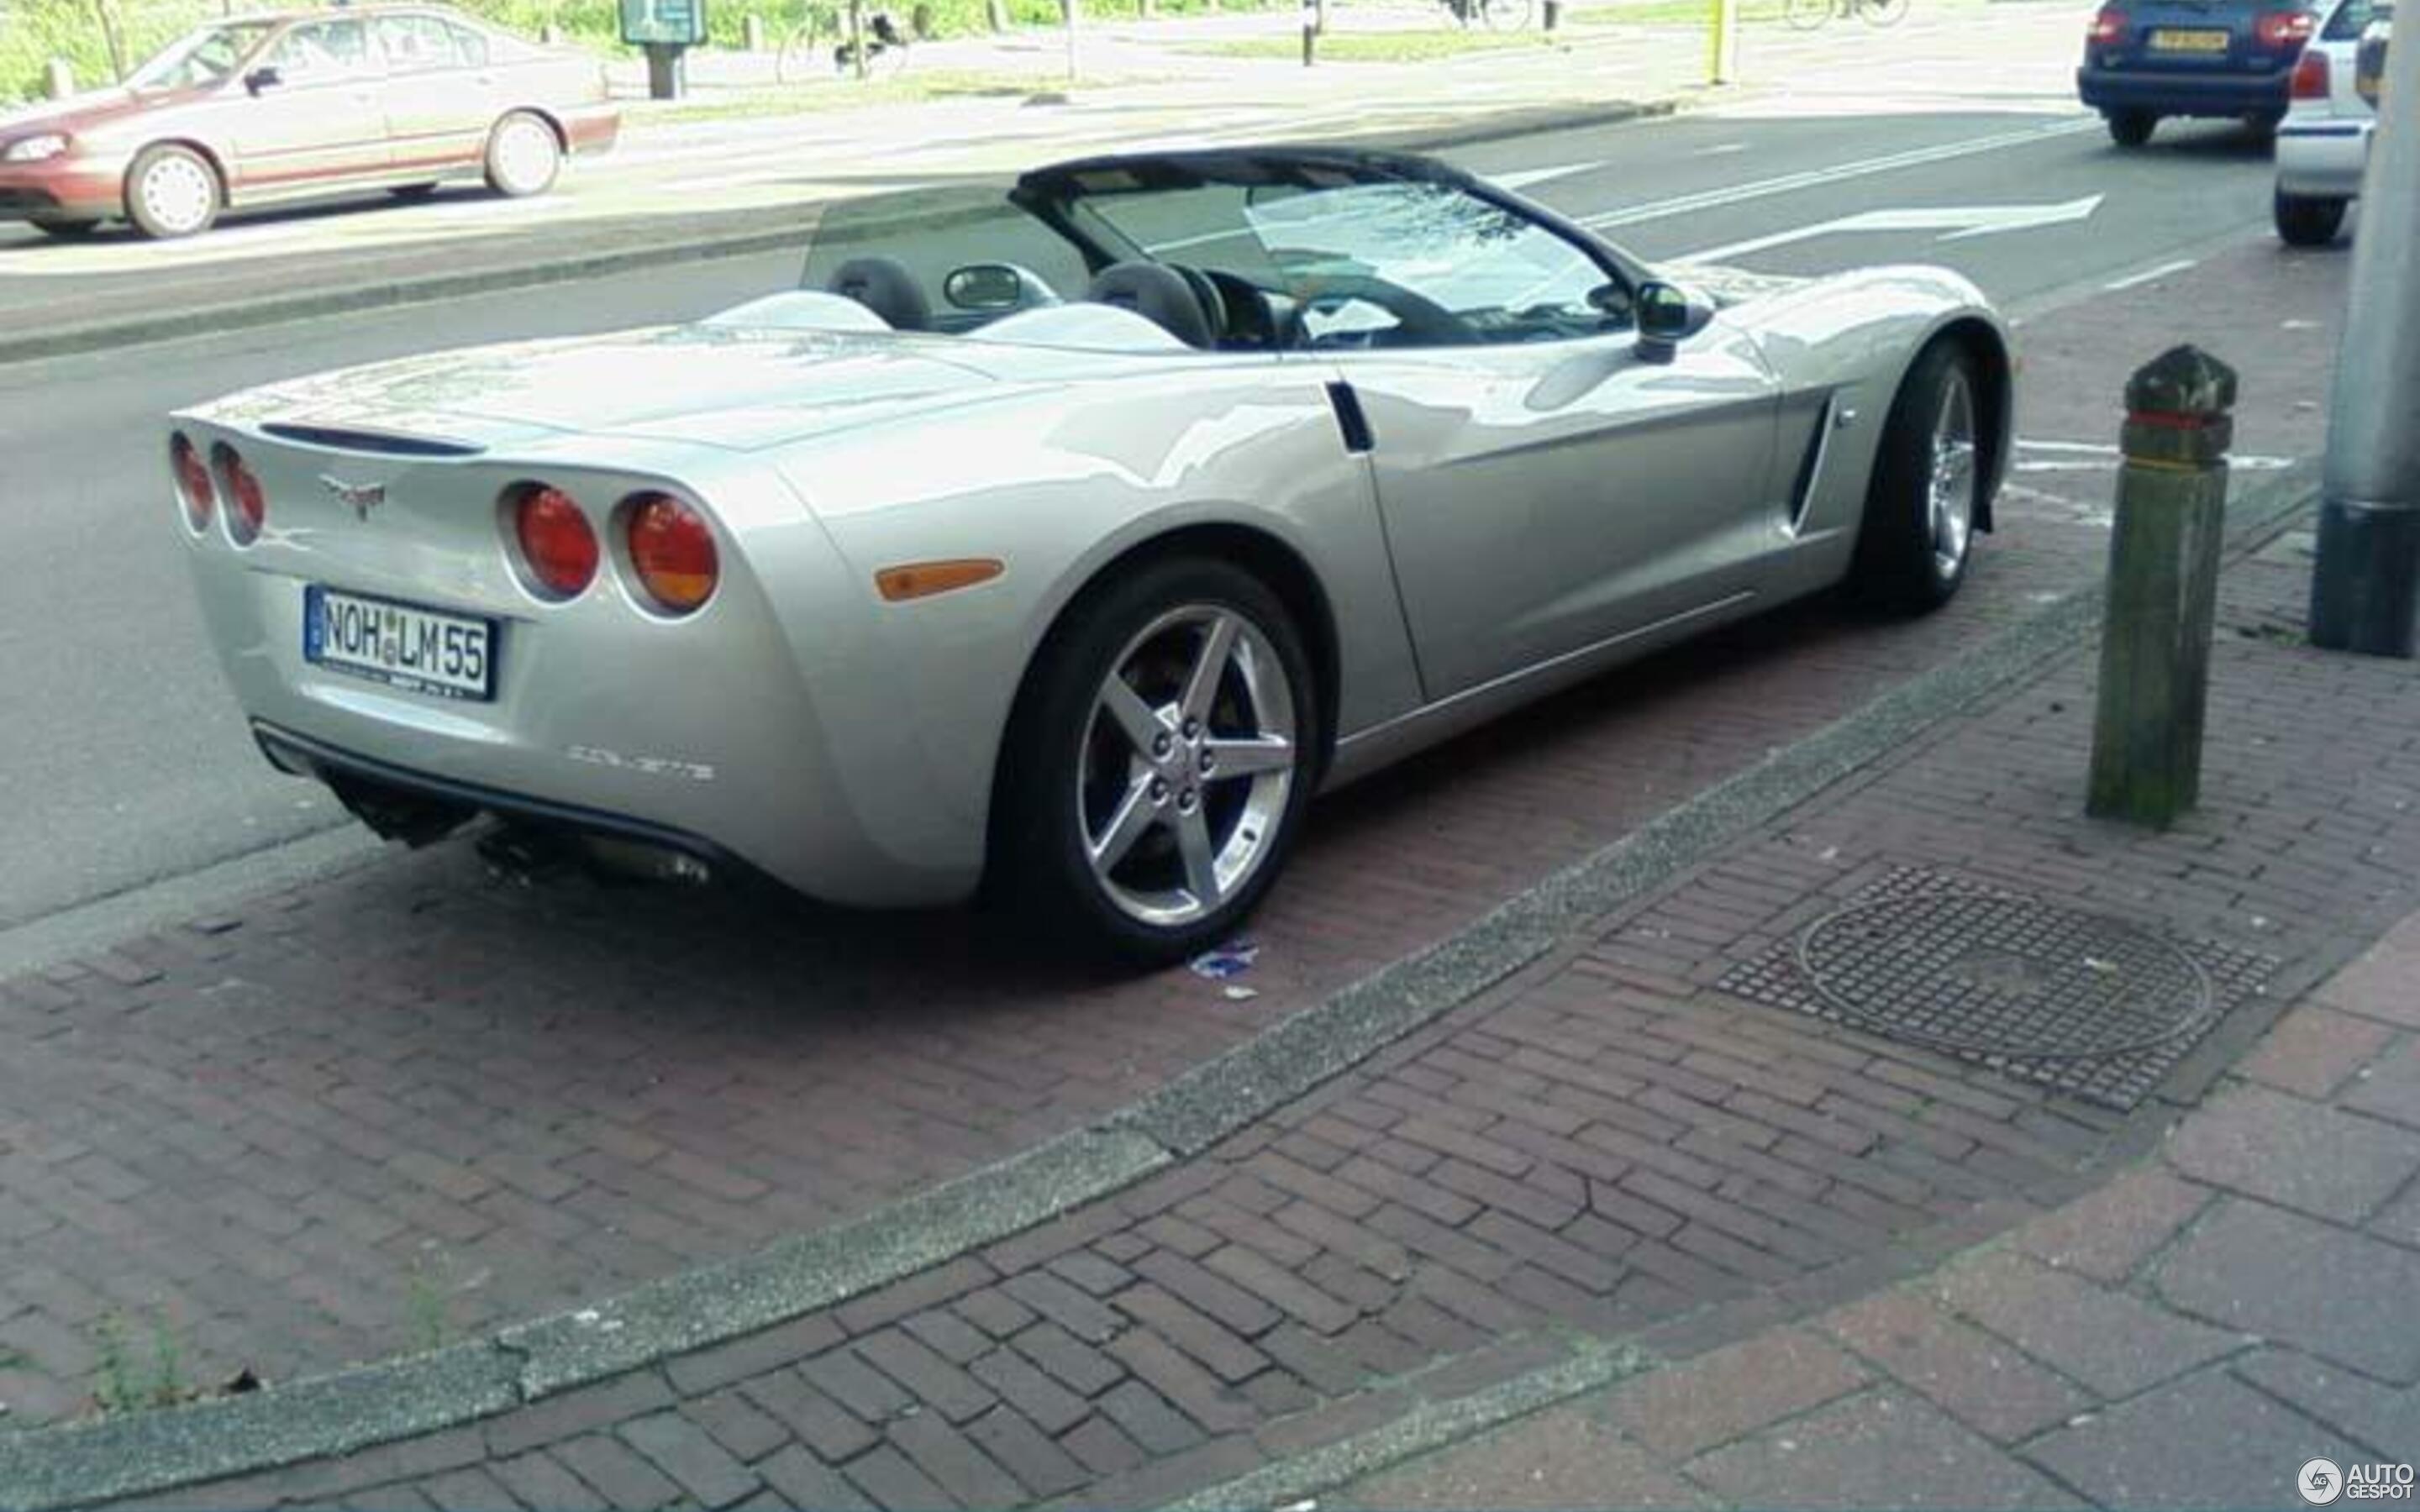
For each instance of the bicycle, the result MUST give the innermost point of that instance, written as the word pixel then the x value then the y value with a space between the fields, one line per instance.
pixel 819 46
pixel 1806 15
pixel 1496 15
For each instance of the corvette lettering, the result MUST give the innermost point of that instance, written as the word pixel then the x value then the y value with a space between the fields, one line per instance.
pixel 644 765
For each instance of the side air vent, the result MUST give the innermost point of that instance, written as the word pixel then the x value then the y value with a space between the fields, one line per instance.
pixel 1810 464
pixel 383 442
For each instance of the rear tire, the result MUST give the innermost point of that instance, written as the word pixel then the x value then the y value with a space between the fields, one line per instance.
pixel 1157 767
pixel 524 156
pixel 66 230
pixel 2130 128
pixel 172 192
pixel 1806 15
pixel 1928 489
pixel 2307 220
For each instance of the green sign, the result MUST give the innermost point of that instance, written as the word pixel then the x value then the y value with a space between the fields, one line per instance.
pixel 677 23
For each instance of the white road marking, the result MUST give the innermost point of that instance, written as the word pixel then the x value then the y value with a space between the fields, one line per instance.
pixel 1524 178
pixel 1720 149
pixel 1839 172
pixel 1955 222
pixel 2100 456
pixel 2150 275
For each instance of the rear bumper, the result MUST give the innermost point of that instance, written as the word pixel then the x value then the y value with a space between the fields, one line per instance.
pixel 2173 92
pixel 62 188
pixel 2323 160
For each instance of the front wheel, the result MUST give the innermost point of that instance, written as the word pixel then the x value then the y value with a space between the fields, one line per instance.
pixel 1504 15
pixel 1929 481
pixel 1159 762
pixel 1883 12
pixel 524 156
pixel 172 191
pixel 1805 15
pixel 2130 128
pixel 2307 220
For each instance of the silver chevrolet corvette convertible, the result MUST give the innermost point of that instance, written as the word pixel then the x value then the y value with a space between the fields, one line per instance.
pixel 1061 539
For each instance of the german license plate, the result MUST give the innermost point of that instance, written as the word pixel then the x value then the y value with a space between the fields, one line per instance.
pixel 402 645
pixel 2166 39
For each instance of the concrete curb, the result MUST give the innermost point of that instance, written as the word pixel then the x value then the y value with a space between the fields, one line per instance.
pixel 85 1464
pixel 743 234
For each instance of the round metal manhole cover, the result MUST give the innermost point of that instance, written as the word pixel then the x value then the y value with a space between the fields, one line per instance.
pixel 1995 975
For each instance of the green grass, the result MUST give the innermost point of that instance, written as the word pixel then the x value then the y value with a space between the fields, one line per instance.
pixel 1377 47
pixel 1675 13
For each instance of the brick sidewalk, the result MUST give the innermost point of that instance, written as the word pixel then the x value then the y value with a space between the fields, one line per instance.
pixel 1622 1142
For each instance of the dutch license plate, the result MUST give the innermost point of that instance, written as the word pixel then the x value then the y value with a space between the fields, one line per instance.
pixel 2165 39
pixel 402 645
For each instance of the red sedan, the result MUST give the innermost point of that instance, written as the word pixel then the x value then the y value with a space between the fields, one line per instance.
pixel 267 109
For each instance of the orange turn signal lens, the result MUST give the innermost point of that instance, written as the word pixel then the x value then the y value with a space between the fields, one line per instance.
pixel 923 580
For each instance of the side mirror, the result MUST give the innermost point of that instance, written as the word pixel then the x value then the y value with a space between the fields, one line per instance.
pixel 986 287
pixel 262 78
pixel 1668 315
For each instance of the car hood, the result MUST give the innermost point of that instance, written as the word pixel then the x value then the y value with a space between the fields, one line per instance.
pixel 700 384
pixel 92 108
pixel 1728 286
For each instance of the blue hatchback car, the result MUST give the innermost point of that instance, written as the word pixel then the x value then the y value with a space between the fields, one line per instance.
pixel 2147 59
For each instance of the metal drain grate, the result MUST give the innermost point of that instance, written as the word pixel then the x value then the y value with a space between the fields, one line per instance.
pixel 2096 1006
pixel 2002 976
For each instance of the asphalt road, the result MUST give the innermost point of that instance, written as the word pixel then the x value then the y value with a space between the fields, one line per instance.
pixel 125 758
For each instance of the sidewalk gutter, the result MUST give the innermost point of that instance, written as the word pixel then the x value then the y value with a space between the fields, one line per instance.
pixel 117 1458
pixel 739 234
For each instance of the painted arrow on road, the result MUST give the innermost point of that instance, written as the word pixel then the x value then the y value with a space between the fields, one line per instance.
pixel 1956 223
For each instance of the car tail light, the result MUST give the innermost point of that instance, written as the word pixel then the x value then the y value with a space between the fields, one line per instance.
pixel 557 545
pixel 192 480
pixel 672 551
pixel 2311 80
pixel 2110 26
pixel 2281 30
pixel 247 505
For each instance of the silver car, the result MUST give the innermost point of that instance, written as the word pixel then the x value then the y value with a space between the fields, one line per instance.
pixel 1068 539
pixel 2323 144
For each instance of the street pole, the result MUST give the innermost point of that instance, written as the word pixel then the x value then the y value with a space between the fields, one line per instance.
pixel 1075 14
pixel 2367 583
pixel 1722 62
pixel 1309 31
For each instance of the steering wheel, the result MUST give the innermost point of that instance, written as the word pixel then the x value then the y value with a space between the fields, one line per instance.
pixel 1418 319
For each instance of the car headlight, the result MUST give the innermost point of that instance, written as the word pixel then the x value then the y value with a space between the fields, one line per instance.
pixel 34 148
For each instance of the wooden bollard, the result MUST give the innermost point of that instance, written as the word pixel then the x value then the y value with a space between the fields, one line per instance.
pixel 2162 595
pixel 752 33
pixel 59 79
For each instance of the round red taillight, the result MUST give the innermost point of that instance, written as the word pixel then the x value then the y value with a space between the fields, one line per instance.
pixel 247 505
pixel 192 480
pixel 672 551
pixel 555 539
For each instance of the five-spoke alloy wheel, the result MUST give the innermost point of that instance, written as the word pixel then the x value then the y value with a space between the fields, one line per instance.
pixel 1160 760
pixel 1928 487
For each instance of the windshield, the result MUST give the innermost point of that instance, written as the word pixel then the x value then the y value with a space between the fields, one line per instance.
pixel 201 57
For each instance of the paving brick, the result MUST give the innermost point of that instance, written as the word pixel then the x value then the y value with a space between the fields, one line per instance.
pixel 2111 1342
pixel 468 1488
pixel 2107 1235
pixel 736 1424
pixel 2314 1050
pixel 752 1354
pixel 1103 1447
pixel 2205 1440
pixel 1686 1408
pixel 1447 1246
pixel 1018 1446
pixel 926 1376
pixel 800 1480
pixel 1875 1449
pixel 848 1379
pixel 955 1462
pixel 1252 1231
pixel 1064 1305
pixel 1146 1418
pixel 1213 1346
pixel 2391 1090
pixel 691 1456
pixel 1984 1383
pixel 948 1335
pixel 822 1424
pixel 539 1480
pixel 1199 1394
pixel 1177 1234
pixel 1068 1360
pixel 2378 985
pixel 1095 1274
pixel 1263 1277
pixel 890 1480
pixel 2262 1271
pixel 2296 1153
pixel 2385 1419
pixel 928 1288
pixel 1020 1383
pixel 617 1474
pixel 1326 1366
pixel 1233 1305
pixel 994 1311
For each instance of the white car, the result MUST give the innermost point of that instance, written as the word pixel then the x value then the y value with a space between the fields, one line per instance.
pixel 2323 144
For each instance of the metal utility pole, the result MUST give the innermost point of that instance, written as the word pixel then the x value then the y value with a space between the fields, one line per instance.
pixel 2364 588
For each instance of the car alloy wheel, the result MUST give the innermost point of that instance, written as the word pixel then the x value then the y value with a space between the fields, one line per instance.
pixel 1951 493
pixel 522 156
pixel 172 193
pixel 1187 765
